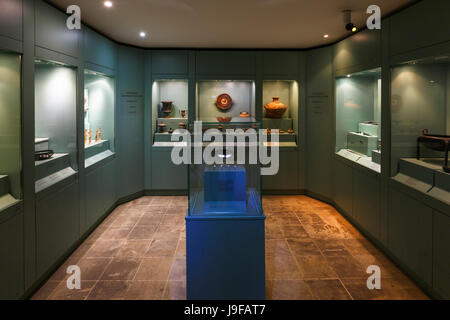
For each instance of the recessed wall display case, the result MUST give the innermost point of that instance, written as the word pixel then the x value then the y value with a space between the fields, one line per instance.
pixel 10 129
pixel 55 123
pixel 170 110
pixel 358 118
pixel 225 99
pixel 280 110
pixel 420 107
pixel 225 219
pixel 99 115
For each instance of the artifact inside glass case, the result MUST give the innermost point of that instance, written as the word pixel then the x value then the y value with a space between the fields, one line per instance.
pixel 358 118
pixel 217 189
pixel 169 108
pixel 55 122
pixel 420 107
pixel 10 129
pixel 99 115
pixel 280 111
pixel 225 99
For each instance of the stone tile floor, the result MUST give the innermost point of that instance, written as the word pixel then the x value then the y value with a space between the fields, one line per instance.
pixel 312 252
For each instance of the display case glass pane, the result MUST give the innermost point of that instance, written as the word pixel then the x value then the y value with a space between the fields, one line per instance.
pixel 229 183
pixel 358 118
pixel 225 99
pixel 10 129
pixel 170 108
pixel 55 123
pixel 420 107
pixel 99 115
pixel 280 100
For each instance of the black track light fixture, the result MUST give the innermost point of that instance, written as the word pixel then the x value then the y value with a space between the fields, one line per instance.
pixel 349 25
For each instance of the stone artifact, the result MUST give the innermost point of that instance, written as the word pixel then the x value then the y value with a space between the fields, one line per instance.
pixel 275 109
pixel 435 142
pixel 224 102
pixel 166 108
pixel 43 155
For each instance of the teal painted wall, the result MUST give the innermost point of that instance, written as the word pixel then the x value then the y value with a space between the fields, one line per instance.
pixel 10 120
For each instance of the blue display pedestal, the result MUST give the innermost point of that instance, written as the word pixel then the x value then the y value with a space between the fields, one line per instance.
pixel 225 258
pixel 225 245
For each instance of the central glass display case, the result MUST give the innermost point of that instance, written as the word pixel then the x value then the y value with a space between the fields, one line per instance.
pixel 55 123
pixel 358 118
pixel 99 115
pixel 10 129
pixel 231 185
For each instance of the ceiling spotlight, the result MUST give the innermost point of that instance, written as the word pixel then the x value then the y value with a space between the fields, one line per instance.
pixel 349 76
pixel 325 36
pixel 108 4
pixel 142 34
pixel 349 25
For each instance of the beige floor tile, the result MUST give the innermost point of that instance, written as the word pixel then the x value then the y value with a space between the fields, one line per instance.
pixel 302 247
pixel 175 290
pixel 328 290
pixel 160 248
pixel 109 290
pixel 146 232
pixel 288 290
pixel 133 248
pixel 315 267
pixel 63 293
pixel 154 269
pixel 145 290
pixel 104 249
pixel 121 269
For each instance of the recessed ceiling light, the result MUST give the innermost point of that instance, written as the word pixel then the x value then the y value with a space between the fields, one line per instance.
pixel 142 34
pixel 325 36
pixel 349 75
pixel 108 4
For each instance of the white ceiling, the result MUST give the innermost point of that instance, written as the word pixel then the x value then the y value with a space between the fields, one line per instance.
pixel 226 23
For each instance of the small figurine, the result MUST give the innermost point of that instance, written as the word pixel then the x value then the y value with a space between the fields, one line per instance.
pixel 99 134
pixel 96 136
pixel 85 136
pixel 90 136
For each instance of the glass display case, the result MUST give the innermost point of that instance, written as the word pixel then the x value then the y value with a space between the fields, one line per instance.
pixel 420 113
pixel 10 129
pixel 225 99
pixel 281 102
pixel 358 118
pixel 55 123
pixel 99 115
pixel 170 109
pixel 230 184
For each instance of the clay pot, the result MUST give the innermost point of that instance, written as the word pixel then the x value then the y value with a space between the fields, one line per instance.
pixel 166 108
pixel 170 131
pixel 224 119
pixel 244 114
pixel 161 128
pixel 182 125
pixel 183 113
pixel 275 109
pixel 290 131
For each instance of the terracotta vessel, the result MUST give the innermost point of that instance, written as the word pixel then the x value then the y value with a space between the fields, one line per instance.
pixel 182 125
pixel 183 113
pixel 224 119
pixel 166 108
pixel 244 114
pixel 161 128
pixel 224 102
pixel 275 109
pixel 290 131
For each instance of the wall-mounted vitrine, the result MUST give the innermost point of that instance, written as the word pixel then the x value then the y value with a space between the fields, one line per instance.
pixel 420 108
pixel 358 118
pixel 10 129
pixel 280 109
pixel 55 123
pixel 225 99
pixel 99 116
pixel 170 108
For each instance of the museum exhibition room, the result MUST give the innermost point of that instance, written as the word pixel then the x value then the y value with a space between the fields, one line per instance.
pixel 224 150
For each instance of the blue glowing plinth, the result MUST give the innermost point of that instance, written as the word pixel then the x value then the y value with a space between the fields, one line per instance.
pixel 225 189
